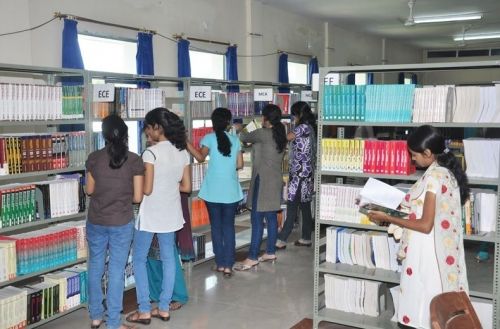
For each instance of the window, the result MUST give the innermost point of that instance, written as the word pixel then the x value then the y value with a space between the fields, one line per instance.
pixel 108 55
pixel 297 73
pixel 207 65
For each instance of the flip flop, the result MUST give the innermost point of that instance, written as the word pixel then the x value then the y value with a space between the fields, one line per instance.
pixel 174 305
pixel 135 318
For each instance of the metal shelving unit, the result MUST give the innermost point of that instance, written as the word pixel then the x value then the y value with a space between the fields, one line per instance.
pixel 477 291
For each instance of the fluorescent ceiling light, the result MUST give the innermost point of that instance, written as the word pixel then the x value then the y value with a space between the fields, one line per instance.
pixel 477 37
pixel 447 18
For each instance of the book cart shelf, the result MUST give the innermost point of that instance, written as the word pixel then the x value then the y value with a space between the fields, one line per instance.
pixel 244 109
pixel 321 267
pixel 34 105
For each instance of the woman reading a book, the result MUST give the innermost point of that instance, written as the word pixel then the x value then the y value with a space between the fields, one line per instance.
pixel 264 195
pixel 221 188
pixel 432 240
pixel 301 175
pixel 167 173
pixel 110 223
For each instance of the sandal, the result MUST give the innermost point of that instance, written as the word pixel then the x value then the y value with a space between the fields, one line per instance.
pixel 156 314
pixel 228 272
pixel 303 243
pixel 268 258
pixel 135 317
pixel 246 266
pixel 174 305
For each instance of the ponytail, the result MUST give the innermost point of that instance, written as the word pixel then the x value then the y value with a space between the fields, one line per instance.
pixel 428 137
pixel 115 133
pixel 221 118
pixel 272 113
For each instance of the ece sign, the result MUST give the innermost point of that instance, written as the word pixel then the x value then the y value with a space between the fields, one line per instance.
pixel 104 92
pixel 200 93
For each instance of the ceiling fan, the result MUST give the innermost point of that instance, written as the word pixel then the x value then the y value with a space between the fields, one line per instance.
pixel 410 21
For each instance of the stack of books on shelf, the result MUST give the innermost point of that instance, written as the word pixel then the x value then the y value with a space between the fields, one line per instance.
pixel 17 204
pixel 22 153
pixel 8 260
pixel 81 236
pixel 476 104
pixel 24 102
pixel 363 248
pixel 198 171
pixel 479 212
pixel 285 101
pixel 43 249
pixel 197 135
pixel 130 103
pixel 434 104
pixel 482 156
pixel 199 241
pixel 204 109
pixel 13 307
pixel 368 156
pixel 57 198
pixel 338 203
pixel 240 104
pixel 356 296
pixel 199 213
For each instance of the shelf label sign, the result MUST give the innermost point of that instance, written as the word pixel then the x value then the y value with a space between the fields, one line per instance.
pixel 263 94
pixel 306 95
pixel 200 93
pixel 332 79
pixel 104 92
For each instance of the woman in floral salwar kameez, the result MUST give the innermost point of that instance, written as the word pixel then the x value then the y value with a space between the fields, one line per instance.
pixel 432 250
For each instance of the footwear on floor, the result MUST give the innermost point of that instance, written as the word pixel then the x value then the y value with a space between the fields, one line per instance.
pixel 246 265
pixel 155 313
pixel 280 245
pixel 174 305
pixel 303 243
pixel 228 272
pixel 135 317
pixel 96 324
pixel 268 258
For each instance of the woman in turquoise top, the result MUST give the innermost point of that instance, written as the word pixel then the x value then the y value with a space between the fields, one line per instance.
pixel 221 189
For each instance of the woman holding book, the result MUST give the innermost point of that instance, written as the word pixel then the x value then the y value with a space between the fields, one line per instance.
pixel 432 241
pixel 110 224
pixel 167 173
pixel 221 189
pixel 264 196
pixel 301 175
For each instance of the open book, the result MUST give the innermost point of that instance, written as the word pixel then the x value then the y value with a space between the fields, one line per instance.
pixel 366 208
pixel 251 126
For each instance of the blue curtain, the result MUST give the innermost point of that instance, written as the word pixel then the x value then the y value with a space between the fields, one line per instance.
pixel 71 55
pixel 414 79
pixel 311 69
pixel 183 61
pixel 351 79
pixel 369 78
pixel 232 68
pixel 401 78
pixel 144 57
pixel 283 72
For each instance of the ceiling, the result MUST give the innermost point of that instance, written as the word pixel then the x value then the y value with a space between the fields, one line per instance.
pixel 386 18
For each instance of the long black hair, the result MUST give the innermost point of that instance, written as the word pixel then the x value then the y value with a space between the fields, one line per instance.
pixel 221 118
pixel 272 113
pixel 115 133
pixel 428 137
pixel 302 110
pixel 172 125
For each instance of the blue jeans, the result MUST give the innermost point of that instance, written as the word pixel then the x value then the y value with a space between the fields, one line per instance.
pixel 142 242
pixel 257 219
pixel 116 240
pixel 222 228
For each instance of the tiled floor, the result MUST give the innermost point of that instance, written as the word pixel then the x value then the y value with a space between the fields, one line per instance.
pixel 270 296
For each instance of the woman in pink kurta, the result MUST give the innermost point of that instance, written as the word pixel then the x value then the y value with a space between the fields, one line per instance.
pixel 432 242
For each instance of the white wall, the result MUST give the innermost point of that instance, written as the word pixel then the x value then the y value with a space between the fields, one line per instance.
pixel 197 18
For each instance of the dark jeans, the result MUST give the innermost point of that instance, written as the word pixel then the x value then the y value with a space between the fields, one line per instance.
pixel 291 216
pixel 222 227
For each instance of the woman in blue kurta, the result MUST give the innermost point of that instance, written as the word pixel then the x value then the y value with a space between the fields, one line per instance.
pixel 221 189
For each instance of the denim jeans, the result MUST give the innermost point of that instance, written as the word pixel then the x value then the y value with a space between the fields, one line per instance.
pixel 116 240
pixel 291 216
pixel 222 228
pixel 257 219
pixel 142 242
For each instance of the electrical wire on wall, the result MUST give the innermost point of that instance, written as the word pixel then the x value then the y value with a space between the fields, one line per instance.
pixel 60 16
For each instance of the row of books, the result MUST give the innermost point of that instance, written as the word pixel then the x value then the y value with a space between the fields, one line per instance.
pixel 43 249
pixel 198 171
pixel 338 202
pixel 199 213
pixel 204 109
pixel 364 248
pixel 57 293
pixel 368 156
pixel 130 103
pixel 21 153
pixel 433 104
pixel 482 156
pixel 479 212
pixel 376 103
pixel 27 102
pixel 197 135
pixel 199 241
pixel 356 296
pixel 476 104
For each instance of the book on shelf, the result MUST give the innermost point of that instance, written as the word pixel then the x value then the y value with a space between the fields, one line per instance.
pixel 199 241
pixel 482 156
pixel 339 203
pixel 8 266
pixel 13 307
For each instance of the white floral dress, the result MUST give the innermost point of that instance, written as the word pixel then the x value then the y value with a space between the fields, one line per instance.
pixel 432 263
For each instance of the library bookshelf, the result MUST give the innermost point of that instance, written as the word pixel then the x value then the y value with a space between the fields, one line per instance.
pixel 488 293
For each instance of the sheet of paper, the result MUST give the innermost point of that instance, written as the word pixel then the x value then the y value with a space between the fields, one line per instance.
pixel 380 193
